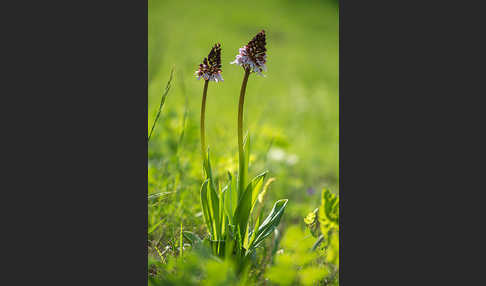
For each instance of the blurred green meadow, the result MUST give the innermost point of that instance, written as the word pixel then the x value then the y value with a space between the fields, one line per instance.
pixel 291 114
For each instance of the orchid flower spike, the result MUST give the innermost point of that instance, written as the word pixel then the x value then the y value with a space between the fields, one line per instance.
pixel 210 69
pixel 253 56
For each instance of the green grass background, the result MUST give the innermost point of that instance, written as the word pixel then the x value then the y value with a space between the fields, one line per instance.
pixel 293 111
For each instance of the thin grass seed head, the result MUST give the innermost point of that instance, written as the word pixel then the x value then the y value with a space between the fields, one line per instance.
pixel 253 56
pixel 210 69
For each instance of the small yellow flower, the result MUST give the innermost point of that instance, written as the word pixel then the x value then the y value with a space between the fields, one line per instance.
pixel 311 217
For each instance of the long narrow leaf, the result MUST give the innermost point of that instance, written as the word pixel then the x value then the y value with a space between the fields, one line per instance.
pixel 261 196
pixel 234 193
pixel 246 203
pixel 205 207
pixel 257 225
pixel 213 200
pixel 243 213
pixel 222 216
pixel 227 199
pixel 269 224
pixel 255 186
pixel 207 168
pixel 213 203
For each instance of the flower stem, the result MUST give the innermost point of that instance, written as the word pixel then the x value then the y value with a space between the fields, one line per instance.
pixel 203 115
pixel 240 129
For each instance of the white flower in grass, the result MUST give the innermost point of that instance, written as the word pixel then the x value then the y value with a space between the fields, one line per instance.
pixel 253 55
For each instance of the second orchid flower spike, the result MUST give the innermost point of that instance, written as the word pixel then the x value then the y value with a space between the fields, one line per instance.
pixel 253 56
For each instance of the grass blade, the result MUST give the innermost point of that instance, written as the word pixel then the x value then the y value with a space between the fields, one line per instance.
pixel 162 101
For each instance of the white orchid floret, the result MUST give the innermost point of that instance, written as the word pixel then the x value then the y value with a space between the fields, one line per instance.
pixel 209 76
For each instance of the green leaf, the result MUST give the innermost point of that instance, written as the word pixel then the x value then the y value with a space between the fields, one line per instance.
pixel 243 213
pixel 222 216
pixel 261 196
pixel 246 203
pixel 269 224
pixel 207 169
pixel 205 207
pixel 192 237
pixel 229 198
pixel 213 203
pixel 257 225
pixel 234 193
pixel 328 212
pixel 255 186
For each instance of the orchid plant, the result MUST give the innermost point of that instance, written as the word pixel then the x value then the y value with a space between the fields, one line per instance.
pixel 234 228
